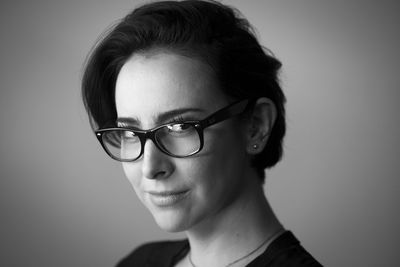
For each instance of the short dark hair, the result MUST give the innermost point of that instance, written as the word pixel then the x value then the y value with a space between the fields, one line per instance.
pixel 210 31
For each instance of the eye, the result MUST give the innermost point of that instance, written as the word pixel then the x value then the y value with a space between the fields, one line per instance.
pixel 128 134
pixel 179 127
pixel 129 137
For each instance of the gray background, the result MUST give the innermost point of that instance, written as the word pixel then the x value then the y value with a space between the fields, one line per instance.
pixel 64 203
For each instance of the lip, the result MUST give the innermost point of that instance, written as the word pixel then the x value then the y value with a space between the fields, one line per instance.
pixel 167 198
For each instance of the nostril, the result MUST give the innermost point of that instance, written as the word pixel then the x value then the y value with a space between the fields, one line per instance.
pixel 156 164
pixel 161 171
pixel 157 175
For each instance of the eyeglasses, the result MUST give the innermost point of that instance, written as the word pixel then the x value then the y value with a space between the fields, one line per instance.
pixel 176 139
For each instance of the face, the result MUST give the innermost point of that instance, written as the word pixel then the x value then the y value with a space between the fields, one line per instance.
pixel 181 192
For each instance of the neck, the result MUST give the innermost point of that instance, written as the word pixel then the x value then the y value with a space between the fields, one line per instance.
pixel 234 232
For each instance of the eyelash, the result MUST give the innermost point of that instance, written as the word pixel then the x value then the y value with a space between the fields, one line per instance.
pixel 178 119
pixel 122 125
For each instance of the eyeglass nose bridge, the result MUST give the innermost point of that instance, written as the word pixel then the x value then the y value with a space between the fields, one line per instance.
pixel 149 135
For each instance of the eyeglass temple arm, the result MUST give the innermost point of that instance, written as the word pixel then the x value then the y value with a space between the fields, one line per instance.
pixel 230 111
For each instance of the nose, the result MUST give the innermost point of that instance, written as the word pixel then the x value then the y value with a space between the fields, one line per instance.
pixel 156 164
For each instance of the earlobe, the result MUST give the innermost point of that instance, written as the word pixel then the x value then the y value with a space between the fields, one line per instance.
pixel 261 123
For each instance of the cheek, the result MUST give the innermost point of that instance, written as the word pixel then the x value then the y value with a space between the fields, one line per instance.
pixel 133 174
pixel 224 160
pixel 227 148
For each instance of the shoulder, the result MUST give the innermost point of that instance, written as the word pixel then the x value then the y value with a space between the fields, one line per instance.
pixel 150 253
pixel 286 251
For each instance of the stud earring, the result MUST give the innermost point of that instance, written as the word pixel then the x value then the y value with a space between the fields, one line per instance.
pixel 255 146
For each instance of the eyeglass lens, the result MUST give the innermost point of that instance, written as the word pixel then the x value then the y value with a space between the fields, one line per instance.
pixel 179 139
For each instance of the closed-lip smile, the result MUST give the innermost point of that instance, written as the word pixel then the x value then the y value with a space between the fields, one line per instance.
pixel 167 198
pixel 166 193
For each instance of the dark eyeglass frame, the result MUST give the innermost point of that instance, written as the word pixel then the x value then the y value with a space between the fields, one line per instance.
pixel 234 109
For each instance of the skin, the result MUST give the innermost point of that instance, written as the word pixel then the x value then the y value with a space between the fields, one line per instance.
pixel 224 204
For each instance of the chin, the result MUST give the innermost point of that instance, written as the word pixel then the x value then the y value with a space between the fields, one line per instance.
pixel 171 215
pixel 171 221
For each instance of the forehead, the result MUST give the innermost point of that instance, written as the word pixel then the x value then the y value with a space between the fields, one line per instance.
pixel 148 85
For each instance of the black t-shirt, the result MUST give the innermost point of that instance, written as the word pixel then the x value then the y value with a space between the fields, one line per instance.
pixel 284 251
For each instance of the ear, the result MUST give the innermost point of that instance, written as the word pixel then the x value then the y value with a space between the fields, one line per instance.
pixel 261 122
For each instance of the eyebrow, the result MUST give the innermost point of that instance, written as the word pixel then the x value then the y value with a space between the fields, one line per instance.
pixel 160 118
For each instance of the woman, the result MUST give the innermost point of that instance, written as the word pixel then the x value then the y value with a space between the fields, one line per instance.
pixel 185 97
